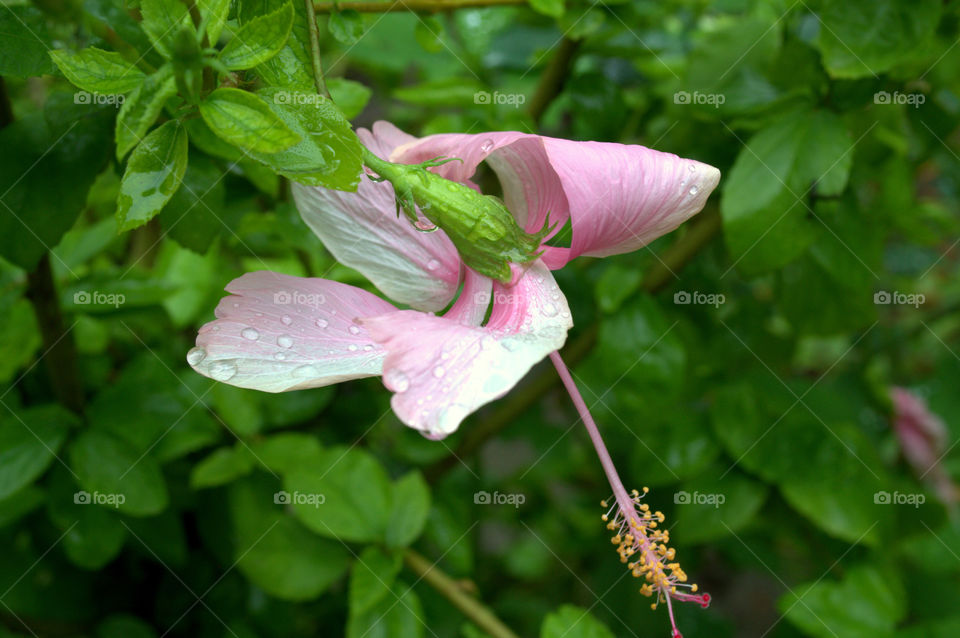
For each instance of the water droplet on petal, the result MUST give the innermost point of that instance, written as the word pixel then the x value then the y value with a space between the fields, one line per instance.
pixel 510 343
pixel 693 190
pixel 250 333
pixel 692 167
pixel 306 371
pixel 486 146
pixel 354 330
pixel 487 342
pixel 280 356
pixel 549 310
pixel 433 264
pixel 223 370
pixel 322 323
pixel 396 380
pixel 439 371
pixel 424 226
pixel 286 320
pixel 196 355
pixel 285 341
pixel 216 328
pixel 367 348
pixel 352 347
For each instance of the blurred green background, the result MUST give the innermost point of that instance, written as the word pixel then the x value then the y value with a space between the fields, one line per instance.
pixel 748 355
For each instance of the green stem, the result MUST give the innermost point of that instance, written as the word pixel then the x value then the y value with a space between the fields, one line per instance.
pixel 419 6
pixel 699 233
pixel 553 77
pixel 318 80
pixel 449 589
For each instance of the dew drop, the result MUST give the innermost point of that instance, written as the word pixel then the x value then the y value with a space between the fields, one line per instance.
pixel 280 356
pixel 486 146
pixel 693 190
pixel 433 264
pixel 354 330
pixel 285 341
pixel 510 343
pixel 306 371
pixel 286 320
pixel 216 328
pixel 196 355
pixel 692 167
pixel 487 342
pixel 322 323
pixel 367 348
pixel 223 370
pixel 439 371
pixel 549 310
pixel 352 347
pixel 250 333
pixel 396 381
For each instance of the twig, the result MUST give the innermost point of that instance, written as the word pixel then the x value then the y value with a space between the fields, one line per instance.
pixel 553 77
pixel 419 6
pixel 318 80
pixel 449 589
pixel 61 355
pixel 544 378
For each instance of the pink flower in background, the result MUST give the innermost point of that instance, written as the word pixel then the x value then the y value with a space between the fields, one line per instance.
pixel 923 439
pixel 277 333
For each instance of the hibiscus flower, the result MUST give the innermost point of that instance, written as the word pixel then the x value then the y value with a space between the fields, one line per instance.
pixel 277 333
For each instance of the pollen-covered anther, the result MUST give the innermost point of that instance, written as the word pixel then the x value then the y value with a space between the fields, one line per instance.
pixel 643 548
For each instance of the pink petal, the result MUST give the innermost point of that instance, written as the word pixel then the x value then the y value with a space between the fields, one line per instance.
pixel 623 197
pixel 277 333
pixel 618 197
pixel 362 231
pixel 441 370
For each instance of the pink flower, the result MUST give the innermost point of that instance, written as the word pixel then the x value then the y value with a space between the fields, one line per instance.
pixel 277 333
pixel 923 439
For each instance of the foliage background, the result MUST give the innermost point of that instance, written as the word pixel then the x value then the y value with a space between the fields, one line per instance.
pixel 775 398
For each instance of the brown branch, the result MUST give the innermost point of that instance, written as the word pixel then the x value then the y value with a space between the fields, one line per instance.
pixel 419 6
pixel 553 77
pixel 699 233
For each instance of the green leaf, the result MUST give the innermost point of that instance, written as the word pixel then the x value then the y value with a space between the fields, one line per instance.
pixel 24 42
pixel 869 602
pixel 276 552
pixel 194 216
pixel 328 153
pixel 215 13
pixel 153 175
pixel 223 466
pixel 292 67
pixel 717 503
pixel 93 536
pixel 141 108
pixel 19 337
pixel 552 8
pixel 110 468
pixel 355 491
pixel 239 408
pixel 399 615
pixel 350 96
pixel 573 622
pixel 764 208
pixel 98 71
pixel 371 577
pixel 68 140
pixel 124 626
pixel 346 26
pixel 673 447
pixel 288 452
pixel 259 39
pixel 19 504
pixel 243 119
pixel 429 33
pixel 29 441
pixel 862 38
pixel 163 20
pixel 411 506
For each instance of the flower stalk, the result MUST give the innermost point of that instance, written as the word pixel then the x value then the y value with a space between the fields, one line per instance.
pixel 640 543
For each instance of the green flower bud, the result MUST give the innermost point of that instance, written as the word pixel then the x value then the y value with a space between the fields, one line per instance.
pixel 484 232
